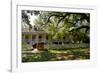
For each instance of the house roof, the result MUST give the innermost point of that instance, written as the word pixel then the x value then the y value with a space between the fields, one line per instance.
pixel 35 30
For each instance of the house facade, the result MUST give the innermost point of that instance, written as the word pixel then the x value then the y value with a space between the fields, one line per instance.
pixel 38 39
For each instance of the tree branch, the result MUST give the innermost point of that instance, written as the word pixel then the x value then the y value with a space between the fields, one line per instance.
pixel 78 28
pixel 48 19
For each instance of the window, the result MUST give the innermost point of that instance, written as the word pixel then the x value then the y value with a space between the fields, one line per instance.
pixel 33 37
pixel 26 37
pixel 40 37
pixel 47 37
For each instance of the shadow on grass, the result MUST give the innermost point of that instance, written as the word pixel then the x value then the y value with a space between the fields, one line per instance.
pixel 57 55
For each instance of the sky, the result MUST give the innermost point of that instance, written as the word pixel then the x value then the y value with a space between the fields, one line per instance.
pixel 32 18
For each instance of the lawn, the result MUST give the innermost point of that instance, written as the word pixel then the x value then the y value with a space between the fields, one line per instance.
pixel 58 55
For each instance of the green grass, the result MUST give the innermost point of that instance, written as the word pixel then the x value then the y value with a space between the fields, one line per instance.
pixel 58 55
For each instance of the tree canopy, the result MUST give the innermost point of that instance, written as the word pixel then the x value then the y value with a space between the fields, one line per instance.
pixel 61 24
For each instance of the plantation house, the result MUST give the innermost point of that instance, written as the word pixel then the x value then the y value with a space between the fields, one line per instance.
pixel 37 38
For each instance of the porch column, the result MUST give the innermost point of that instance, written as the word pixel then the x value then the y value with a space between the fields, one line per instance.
pixel 30 38
pixel 23 37
pixel 37 40
pixel 44 40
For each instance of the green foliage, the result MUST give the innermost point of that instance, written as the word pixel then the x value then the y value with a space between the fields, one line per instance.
pixel 25 46
pixel 36 57
pixel 58 55
pixel 75 26
pixel 58 24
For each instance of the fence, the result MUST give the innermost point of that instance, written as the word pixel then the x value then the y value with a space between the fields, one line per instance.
pixel 54 46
